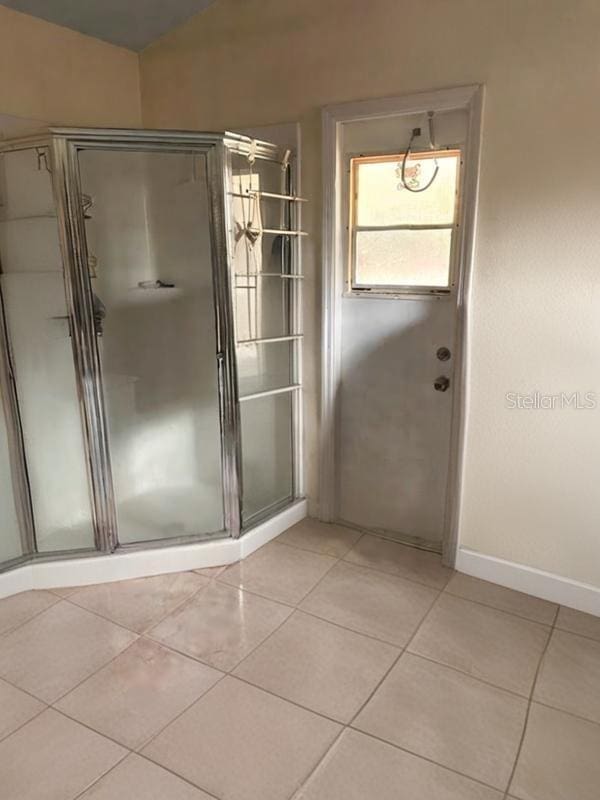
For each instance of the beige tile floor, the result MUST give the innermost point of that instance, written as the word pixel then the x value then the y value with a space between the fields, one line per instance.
pixel 329 665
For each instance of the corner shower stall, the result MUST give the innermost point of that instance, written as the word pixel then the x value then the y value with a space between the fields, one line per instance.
pixel 150 340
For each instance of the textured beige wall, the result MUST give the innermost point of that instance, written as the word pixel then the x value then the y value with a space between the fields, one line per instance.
pixel 59 76
pixel 531 477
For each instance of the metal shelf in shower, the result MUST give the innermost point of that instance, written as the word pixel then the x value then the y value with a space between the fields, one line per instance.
pixel 291 277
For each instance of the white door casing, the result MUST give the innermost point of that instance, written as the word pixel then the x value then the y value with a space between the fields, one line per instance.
pixel 390 445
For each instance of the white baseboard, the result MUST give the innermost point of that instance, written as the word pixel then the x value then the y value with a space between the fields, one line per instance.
pixel 547 585
pixel 143 563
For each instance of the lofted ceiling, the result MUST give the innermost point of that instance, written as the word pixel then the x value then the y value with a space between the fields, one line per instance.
pixel 128 23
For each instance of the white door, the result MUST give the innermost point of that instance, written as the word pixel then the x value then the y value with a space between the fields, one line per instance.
pixel 398 324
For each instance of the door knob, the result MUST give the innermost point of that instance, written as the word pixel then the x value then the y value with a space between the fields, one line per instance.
pixel 441 384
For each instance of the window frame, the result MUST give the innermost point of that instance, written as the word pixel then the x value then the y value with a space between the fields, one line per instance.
pixel 355 289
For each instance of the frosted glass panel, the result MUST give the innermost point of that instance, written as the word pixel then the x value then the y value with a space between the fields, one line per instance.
pixel 264 366
pixel 382 200
pixel 266 452
pixel 262 307
pixel 38 329
pixel 149 238
pixel 402 223
pixel 403 258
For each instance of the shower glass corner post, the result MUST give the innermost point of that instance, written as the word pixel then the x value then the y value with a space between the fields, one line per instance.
pixel 266 283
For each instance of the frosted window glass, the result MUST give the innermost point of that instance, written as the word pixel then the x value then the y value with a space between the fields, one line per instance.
pixel 383 201
pixel 403 258
pixel 403 238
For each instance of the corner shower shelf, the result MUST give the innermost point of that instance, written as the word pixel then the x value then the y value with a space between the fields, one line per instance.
pixel 141 294
pixel 27 217
pixel 291 198
pixel 268 275
pixel 277 231
pixel 268 392
pixel 270 339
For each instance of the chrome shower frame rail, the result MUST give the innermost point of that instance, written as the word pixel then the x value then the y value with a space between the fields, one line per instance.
pixel 62 146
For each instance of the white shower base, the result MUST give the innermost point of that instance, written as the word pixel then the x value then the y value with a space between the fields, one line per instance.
pixel 144 562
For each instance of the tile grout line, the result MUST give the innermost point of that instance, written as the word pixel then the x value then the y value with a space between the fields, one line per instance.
pixel 52 703
pixel 503 610
pixel 226 673
pixel 130 752
pixel 405 650
pixel 568 713
pixel 400 575
pixel 305 595
pixel 310 550
pixel 402 652
pixel 96 614
pixel 467 674
pixel 27 721
pixel 575 633
pixel 529 703
pixel 229 673
pixel 348 725
pixel 154 622
pixel 311 772
pixel 99 778
pixel 294 609
pixel 299 608
pixel 37 613
pixel 91 675
pixel 427 759
pixel 177 775
pixel 175 718
pixel 402 648
pixel 346 628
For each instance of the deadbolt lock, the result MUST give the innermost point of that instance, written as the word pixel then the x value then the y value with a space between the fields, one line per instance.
pixel 441 384
pixel 443 353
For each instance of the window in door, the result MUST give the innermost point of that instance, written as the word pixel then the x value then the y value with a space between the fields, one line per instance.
pixel 402 235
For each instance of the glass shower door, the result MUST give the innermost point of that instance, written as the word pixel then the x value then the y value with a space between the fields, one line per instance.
pixel 39 335
pixel 150 264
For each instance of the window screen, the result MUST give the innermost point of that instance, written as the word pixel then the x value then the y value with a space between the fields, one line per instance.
pixel 402 239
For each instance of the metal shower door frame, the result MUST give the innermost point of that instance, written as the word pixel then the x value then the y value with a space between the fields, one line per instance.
pixel 65 144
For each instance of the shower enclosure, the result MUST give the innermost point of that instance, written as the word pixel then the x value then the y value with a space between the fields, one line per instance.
pixel 150 340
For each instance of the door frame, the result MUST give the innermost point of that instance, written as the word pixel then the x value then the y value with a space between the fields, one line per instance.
pixel 334 117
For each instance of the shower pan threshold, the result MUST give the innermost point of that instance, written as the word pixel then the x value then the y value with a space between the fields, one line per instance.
pixel 142 563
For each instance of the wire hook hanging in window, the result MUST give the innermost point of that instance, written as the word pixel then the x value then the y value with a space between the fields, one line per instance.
pixel 417 132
